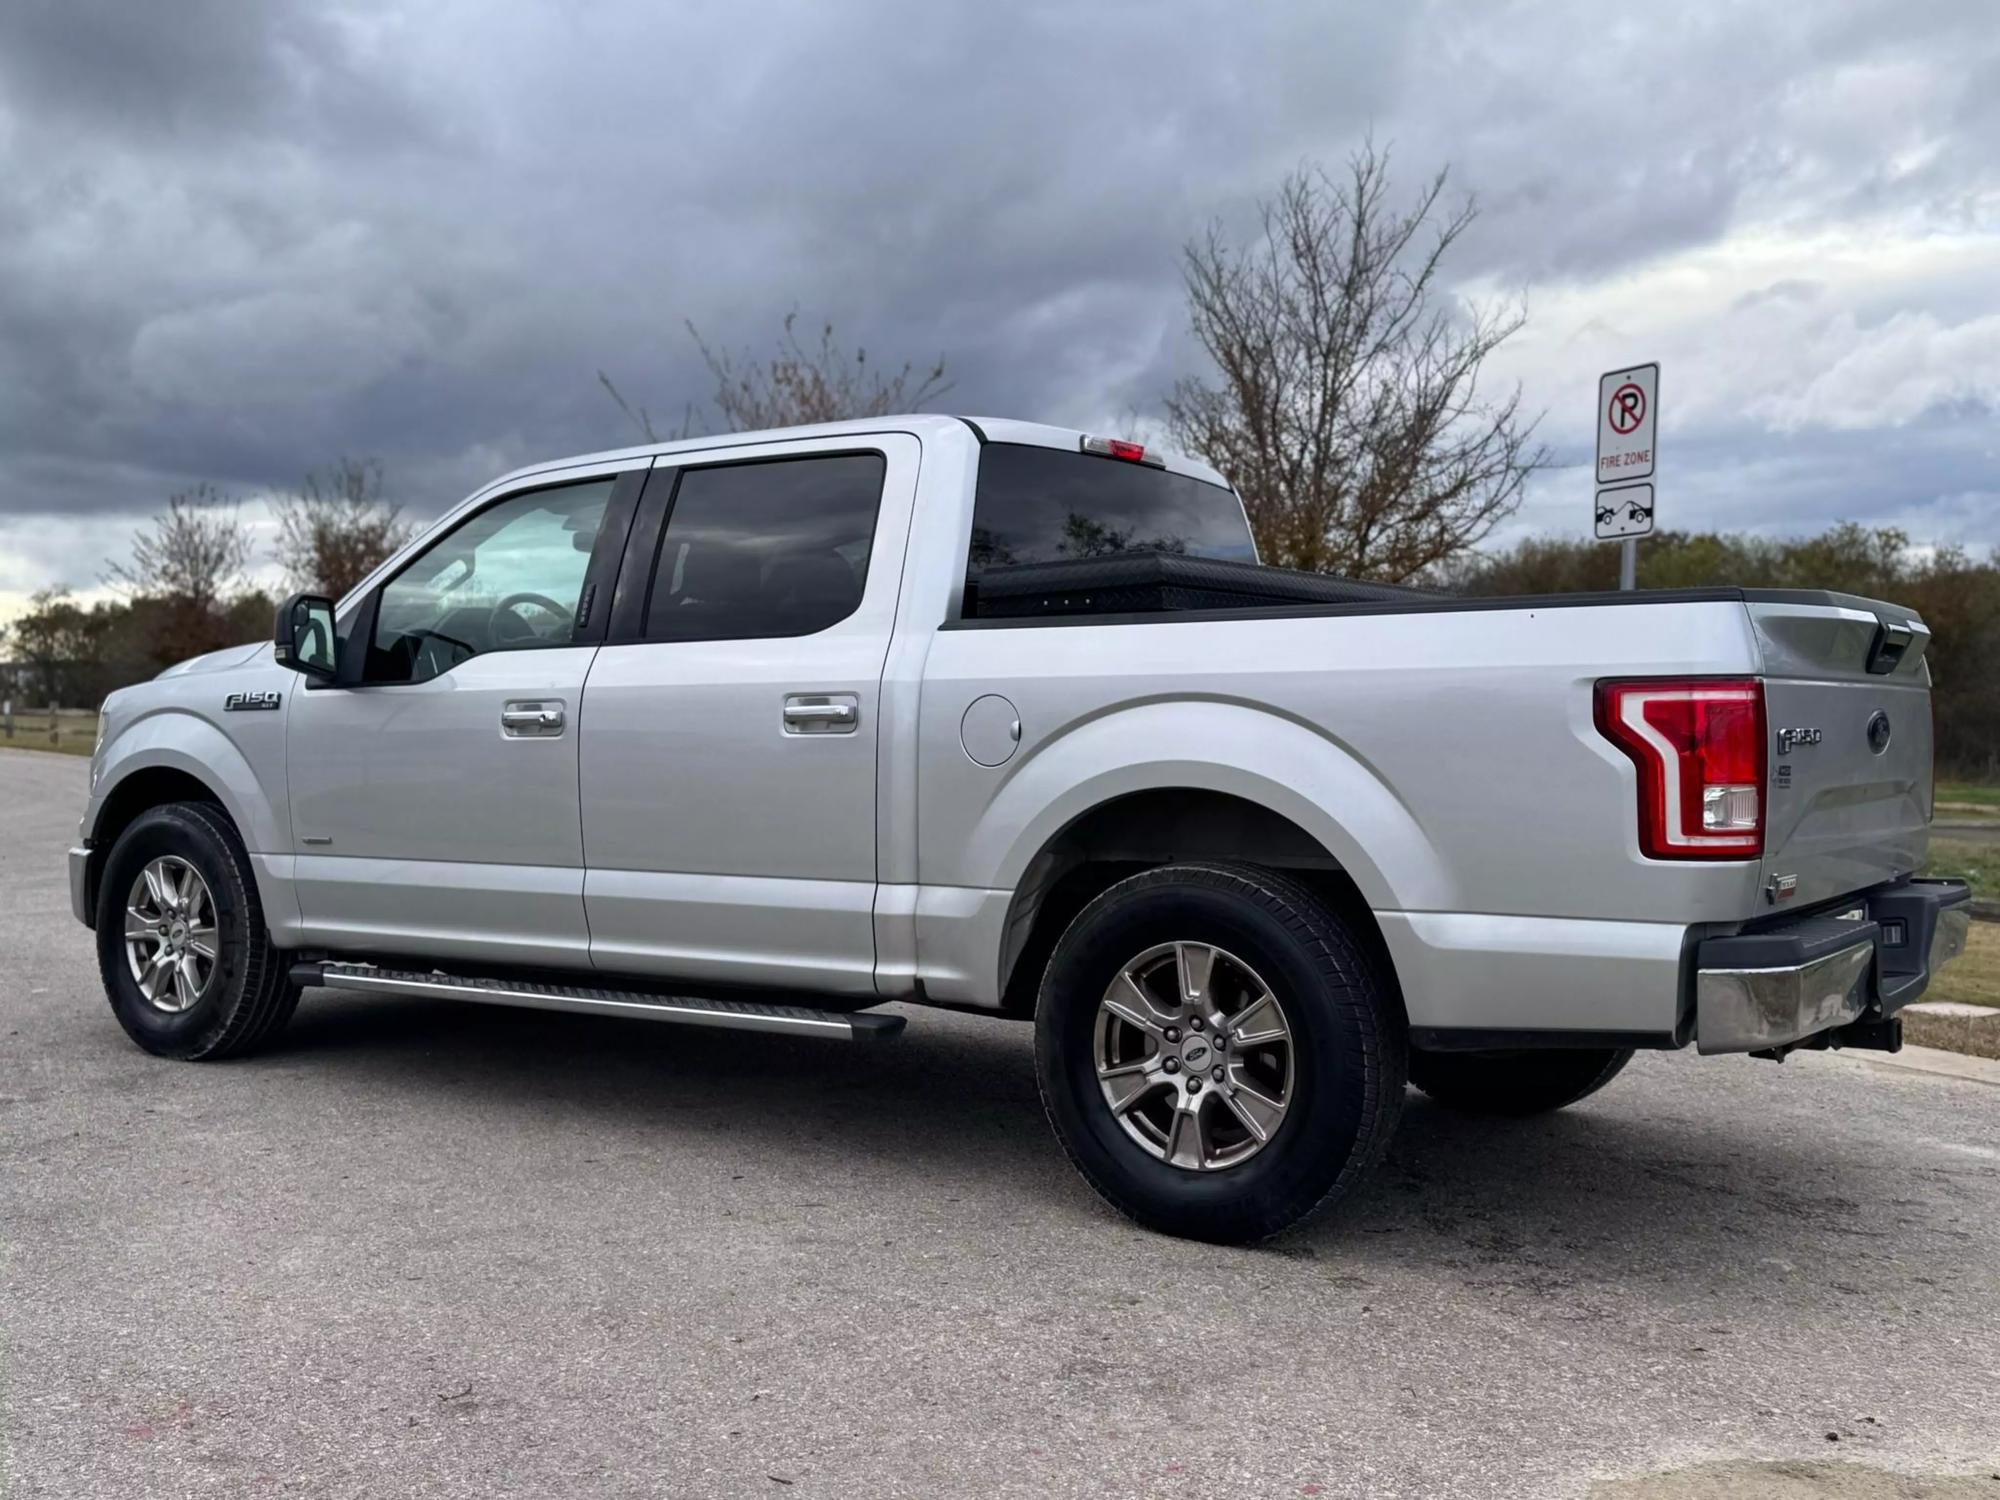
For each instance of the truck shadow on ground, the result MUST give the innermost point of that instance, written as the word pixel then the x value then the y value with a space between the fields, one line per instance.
pixel 1622 1189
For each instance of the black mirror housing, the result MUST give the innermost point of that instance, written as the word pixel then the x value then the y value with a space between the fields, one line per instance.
pixel 303 638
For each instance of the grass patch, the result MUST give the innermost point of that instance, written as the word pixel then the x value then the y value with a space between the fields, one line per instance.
pixel 74 733
pixel 1971 860
pixel 1968 801
pixel 1974 976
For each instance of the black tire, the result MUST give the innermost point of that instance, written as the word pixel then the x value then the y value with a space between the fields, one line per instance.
pixel 1516 1083
pixel 1347 1056
pixel 250 996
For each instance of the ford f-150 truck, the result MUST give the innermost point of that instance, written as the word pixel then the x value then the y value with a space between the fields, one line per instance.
pixel 766 730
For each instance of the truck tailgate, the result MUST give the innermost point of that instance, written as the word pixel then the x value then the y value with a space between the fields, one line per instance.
pixel 1847 703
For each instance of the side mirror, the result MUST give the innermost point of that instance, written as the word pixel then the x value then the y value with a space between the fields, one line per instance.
pixel 303 639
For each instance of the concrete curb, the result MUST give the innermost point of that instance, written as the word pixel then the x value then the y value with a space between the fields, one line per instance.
pixel 1930 1061
pixel 1952 1026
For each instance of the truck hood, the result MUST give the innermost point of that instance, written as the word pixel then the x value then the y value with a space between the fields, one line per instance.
pixel 216 661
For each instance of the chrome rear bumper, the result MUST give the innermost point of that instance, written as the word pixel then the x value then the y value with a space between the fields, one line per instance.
pixel 1782 985
pixel 1747 1010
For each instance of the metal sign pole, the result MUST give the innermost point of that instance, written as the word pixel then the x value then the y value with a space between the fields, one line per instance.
pixel 1628 564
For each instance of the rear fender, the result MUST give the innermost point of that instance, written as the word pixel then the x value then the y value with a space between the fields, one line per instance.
pixel 1279 763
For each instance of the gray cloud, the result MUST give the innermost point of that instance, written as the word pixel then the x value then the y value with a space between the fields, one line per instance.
pixel 237 239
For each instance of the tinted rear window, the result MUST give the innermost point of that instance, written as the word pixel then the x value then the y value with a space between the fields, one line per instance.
pixel 1038 505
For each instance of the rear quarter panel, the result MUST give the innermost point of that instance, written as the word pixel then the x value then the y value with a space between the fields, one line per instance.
pixel 1448 759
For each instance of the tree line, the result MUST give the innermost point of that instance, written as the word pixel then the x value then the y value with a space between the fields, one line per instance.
pixel 185 588
pixel 1957 594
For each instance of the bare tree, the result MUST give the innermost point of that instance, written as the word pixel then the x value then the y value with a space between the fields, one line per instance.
pixel 1346 406
pixel 194 554
pixel 186 578
pixel 795 386
pixel 337 526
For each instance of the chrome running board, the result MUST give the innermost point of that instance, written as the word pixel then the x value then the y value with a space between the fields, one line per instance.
pixel 737 1015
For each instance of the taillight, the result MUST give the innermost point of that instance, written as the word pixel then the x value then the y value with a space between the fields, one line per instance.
pixel 1699 746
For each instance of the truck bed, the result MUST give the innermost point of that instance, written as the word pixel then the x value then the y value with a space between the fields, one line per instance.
pixel 1149 582
pixel 1131 586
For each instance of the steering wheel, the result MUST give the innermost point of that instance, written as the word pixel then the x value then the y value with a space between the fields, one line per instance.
pixel 436 652
pixel 506 608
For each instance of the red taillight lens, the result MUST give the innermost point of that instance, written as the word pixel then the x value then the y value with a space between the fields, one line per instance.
pixel 1699 746
pixel 1120 448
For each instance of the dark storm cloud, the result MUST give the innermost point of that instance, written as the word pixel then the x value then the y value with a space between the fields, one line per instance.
pixel 239 238
pixel 183 73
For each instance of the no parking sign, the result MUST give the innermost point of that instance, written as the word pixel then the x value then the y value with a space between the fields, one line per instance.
pixel 1628 412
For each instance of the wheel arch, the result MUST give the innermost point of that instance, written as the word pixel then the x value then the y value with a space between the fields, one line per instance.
pixel 1147 829
pixel 1219 779
pixel 176 757
pixel 135 794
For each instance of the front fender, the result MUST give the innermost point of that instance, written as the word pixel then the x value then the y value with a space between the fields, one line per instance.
pixel 1280 763
pixel 179 740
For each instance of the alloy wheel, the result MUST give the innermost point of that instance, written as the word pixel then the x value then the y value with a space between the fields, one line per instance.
pixel 1194 1056
pixel 170 934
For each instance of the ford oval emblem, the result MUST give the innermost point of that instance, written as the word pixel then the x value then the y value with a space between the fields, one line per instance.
pixel 1879 732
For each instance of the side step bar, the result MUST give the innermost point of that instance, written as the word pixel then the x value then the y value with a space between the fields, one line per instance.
pixel 738 1015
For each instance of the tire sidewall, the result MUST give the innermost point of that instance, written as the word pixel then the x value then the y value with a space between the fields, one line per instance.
pixel 1324 1119
pixel 199 1029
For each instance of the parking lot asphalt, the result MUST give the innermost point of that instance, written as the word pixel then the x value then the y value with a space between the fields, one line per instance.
pixel 433 1250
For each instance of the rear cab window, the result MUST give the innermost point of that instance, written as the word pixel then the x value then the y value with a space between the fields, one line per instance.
pixel 1041 505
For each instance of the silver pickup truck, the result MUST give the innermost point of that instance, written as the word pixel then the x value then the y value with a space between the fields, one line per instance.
pixel 764 731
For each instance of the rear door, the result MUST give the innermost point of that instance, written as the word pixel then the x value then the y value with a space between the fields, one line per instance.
pixel 1847 701
pixel 728 755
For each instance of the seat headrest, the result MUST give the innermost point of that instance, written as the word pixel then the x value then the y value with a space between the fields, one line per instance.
pixel 719 575
pixel 819 582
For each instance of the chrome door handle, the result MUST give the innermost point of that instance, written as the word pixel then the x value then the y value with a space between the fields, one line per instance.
pixel 822 713
pixel 819 713
pixel 532 721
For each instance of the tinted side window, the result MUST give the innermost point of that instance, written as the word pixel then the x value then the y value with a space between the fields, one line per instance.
pixel 765 549
pixel 506 579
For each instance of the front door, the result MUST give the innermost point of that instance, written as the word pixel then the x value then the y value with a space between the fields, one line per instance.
pixel 433 787
pixel 729 752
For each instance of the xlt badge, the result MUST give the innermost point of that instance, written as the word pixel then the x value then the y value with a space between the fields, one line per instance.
pixel 251 702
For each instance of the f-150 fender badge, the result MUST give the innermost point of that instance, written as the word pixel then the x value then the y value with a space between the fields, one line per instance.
pixel 1791 739
pixel 237 703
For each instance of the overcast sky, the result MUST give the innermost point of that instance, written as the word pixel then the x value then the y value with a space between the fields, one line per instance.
pixel 240 237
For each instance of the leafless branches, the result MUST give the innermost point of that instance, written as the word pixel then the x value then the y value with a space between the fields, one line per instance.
pixel 335 528
pixel 1346 404
pixel 194 553
pixel 796 385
